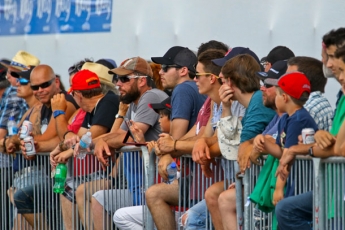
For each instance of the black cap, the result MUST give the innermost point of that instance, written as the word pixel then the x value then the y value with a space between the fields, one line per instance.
pixel 180 56
pixel 234 52
pixel 165 104
pixel 279 53
pixel 24 74
pixel 278 69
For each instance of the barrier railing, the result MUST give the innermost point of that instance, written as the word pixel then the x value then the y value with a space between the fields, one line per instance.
pixel 329 193
pixel 301 179
pixel 33 177
pixel 323 176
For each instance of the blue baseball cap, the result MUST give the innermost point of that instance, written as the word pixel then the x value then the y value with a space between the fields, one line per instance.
pixel 234 52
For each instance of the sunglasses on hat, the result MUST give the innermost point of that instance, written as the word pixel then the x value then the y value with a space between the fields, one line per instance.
pixel 22 81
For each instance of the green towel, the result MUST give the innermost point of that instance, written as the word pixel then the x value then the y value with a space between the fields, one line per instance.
pixel 263 191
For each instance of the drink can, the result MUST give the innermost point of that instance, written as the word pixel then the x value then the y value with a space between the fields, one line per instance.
pixel 308 135
pixel 25 129
pixel 29 146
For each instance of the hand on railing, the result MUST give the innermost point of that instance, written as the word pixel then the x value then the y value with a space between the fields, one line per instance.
pixel 12 144
pixel 244 152
pixel 324 139
pixel 166 143
pixel 102 152
pixel 163 163
pixel 201 152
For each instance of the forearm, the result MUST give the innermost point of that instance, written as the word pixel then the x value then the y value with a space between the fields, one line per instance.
pixel 280 183
pixel 47 146
pixel 182 148
pixel 61 126
pixel 272 149
pixel 115 140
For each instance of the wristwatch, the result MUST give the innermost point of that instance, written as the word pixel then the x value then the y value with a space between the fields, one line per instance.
pixel 311 152
pixel 119 116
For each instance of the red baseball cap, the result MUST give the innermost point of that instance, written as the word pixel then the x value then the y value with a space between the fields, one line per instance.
pixel 84 80
pixel 294 84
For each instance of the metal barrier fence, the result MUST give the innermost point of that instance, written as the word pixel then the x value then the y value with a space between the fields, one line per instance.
pixel 137 172
pixel 301 180
pixel 329 193
pixel 127 179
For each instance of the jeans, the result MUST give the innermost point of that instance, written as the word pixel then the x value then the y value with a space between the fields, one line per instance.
pixel 196 217
pixel 295 212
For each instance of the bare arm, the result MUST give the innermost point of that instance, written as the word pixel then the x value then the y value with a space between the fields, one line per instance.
pixel 179 127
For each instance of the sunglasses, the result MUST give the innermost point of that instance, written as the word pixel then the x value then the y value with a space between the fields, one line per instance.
pixel 22 81
pixel 43 85
pixel 165 68
pixel 124 79
pixel 267 86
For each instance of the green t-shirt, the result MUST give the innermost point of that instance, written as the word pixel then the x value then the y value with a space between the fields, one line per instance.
pixel 332 170
pixel 338 116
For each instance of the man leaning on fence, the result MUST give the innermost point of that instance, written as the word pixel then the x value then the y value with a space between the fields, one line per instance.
pixel 136 89
pixel 44 86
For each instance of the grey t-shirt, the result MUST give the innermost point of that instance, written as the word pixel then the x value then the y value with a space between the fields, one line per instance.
pixel 144 114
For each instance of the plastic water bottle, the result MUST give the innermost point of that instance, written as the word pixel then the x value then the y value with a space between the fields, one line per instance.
pixel 60 178
pixel 12 126
pixel 172 172
pixel 84 143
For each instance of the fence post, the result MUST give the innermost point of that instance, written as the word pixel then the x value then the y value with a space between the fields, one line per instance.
pixel 239 197
pixel 149 170
pixel 318 196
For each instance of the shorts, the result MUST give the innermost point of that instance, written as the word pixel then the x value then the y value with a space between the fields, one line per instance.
pixel 73 183
pixel 114 199
pixel 29 176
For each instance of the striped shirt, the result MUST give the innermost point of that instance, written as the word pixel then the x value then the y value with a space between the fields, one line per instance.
pixel 320 109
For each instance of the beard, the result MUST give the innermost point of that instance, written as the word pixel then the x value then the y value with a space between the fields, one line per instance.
pixel 130 96
pixel 270 104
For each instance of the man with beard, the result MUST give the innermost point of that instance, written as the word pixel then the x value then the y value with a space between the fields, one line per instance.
pixel 135 87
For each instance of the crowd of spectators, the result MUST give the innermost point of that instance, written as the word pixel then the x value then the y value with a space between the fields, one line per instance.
pixel 218 102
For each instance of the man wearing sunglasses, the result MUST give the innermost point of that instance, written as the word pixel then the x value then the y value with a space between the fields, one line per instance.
pixel 177 73
pixel 135 87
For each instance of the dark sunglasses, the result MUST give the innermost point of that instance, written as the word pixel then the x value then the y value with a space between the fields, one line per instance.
pixel 22 81
pixel 43 85
pixel 268 85
pixel 124 79
pixel 165 68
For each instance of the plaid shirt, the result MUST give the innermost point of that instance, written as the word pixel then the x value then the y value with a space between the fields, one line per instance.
pixel 11 105
pixel 320 109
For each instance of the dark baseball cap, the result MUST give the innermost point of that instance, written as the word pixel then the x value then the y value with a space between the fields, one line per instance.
pixel 278 69
pixel 279 53
pixel 234 52
pixel 23 74
pixel 165 104
pixel 180 56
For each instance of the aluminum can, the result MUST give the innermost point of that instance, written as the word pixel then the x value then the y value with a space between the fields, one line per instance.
pixel 29 146
pixel 25 129
pixel 308 135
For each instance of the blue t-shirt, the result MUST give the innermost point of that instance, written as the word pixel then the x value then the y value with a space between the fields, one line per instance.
pixel 256 118
pixel 186 102
pixel 289 128
pixel 272 127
